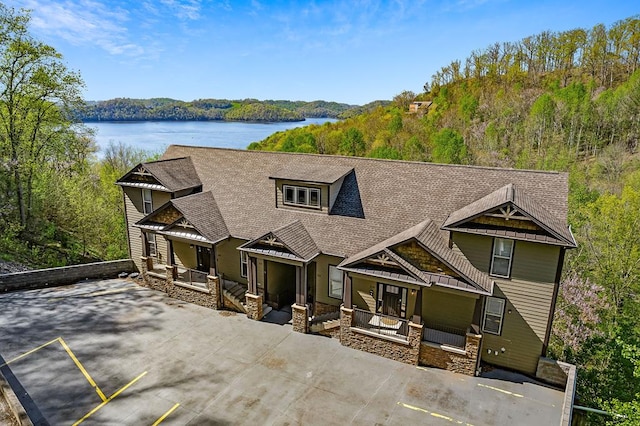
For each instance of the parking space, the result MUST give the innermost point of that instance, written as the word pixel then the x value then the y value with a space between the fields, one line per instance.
pixel 111 352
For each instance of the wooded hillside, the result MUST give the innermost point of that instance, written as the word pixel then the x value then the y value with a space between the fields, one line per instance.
pixel 567 101
pixel 165 109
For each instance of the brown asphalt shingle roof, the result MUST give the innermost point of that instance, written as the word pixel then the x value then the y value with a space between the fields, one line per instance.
pixel 304 173
pixel 429 236
pixel 386 197
pixel 526 203
pixel 174 174
pixel 201 211
pixel 294 237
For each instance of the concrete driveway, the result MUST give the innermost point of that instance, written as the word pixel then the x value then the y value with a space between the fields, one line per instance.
pixel 111 352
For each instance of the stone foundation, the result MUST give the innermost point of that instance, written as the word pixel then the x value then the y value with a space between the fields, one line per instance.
pixel 193 294
pixel 254 306
pixel 386 346
pixel 300 318
pixel 320 308
pixel 462 361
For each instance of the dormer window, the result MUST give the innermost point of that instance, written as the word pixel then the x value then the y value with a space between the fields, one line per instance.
pixel 301 196
pixel 147 203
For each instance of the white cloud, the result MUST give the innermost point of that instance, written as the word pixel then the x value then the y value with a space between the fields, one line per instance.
pixel 84 22
pixel 184 9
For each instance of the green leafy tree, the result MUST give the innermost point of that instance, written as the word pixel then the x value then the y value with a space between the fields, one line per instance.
pixel 36 134
pixel 449 147
pixel 352 143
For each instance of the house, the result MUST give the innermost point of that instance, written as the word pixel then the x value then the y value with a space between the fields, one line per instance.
pixel 420 106
pixel 430 264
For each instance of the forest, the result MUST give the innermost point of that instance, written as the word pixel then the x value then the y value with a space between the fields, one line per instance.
pixel 165 109
pixel 567 101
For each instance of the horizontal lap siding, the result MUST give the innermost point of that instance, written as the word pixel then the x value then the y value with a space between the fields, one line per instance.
pixel 133 205
pixel 447 309
pixel 529 295
pixel 322 279
pixel 228 260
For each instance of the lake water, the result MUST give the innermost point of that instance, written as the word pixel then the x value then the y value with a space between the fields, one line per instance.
pixel 156 136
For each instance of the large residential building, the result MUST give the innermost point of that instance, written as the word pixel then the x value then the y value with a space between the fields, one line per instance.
pixel 438 265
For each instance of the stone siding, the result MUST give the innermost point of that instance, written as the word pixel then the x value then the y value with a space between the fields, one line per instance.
pixel 434 355
pixel 511 223
pixel 51 277
pixel 192 294
pixel 385 346
pixel 416 255
pixel 254 306
pixel 300 318
pixel 320 308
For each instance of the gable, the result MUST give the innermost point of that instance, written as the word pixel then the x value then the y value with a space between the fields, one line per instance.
pixel 140 177
pixel 512 213
pixel 291 241
pixel 415 254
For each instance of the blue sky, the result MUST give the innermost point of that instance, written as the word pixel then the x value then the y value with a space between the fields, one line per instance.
pixel 345 51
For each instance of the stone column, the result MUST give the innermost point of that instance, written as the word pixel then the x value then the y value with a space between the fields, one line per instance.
pixel 144 264
pixel 414 338
pixel 472 346
pixel 254 306
pixel 300 318
pixel 213 283
pixel 171 274
pixel 346 319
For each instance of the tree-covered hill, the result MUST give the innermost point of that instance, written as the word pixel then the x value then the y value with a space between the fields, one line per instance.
pixel 165 109
pixel 568 101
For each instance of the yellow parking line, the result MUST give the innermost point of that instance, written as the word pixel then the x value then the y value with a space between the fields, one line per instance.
pixel 165 415
pixel 30 352
pixel 82 369
pixel 517 395
pixel 116 393
pixel 439 416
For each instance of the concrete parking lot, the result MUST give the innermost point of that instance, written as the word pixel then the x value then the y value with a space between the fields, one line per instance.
pixel 111 352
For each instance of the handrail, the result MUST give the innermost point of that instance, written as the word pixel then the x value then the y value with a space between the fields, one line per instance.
pixel 381 323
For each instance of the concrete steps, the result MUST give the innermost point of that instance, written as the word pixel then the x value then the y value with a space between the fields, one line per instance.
pixel 235 293
pixel 325 322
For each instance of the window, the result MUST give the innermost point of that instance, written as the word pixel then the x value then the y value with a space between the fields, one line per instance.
pixel 336 282
pixel 147 205
pixel 301 196
pixel 244 264
pixel 151 245
pixel 501 259
pixel 493 314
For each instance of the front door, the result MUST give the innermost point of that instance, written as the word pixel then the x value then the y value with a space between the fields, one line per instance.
pixel 204 258
pixel 392 300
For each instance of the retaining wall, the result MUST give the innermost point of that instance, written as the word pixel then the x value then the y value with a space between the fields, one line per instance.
pixel 52 277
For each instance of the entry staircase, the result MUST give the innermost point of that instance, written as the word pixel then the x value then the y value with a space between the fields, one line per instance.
pixel 325 322
pixel 235 293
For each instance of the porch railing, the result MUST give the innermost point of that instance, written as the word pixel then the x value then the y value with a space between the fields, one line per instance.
pixel 192 277
pixel 381 324
pixel 444 335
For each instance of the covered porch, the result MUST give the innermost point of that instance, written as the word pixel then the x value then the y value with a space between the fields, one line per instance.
pixel 281 273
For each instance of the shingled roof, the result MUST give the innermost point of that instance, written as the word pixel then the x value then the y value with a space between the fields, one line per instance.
pixel 296 241
pixel 172 175
pixel 200 211
pixel 393 195
pixel 524 202
pixel 430 238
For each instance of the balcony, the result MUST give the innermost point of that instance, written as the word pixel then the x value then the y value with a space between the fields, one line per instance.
pixel 381 324
pixel 192 277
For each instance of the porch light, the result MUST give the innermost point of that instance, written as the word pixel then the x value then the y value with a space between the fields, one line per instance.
pixel 190 246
